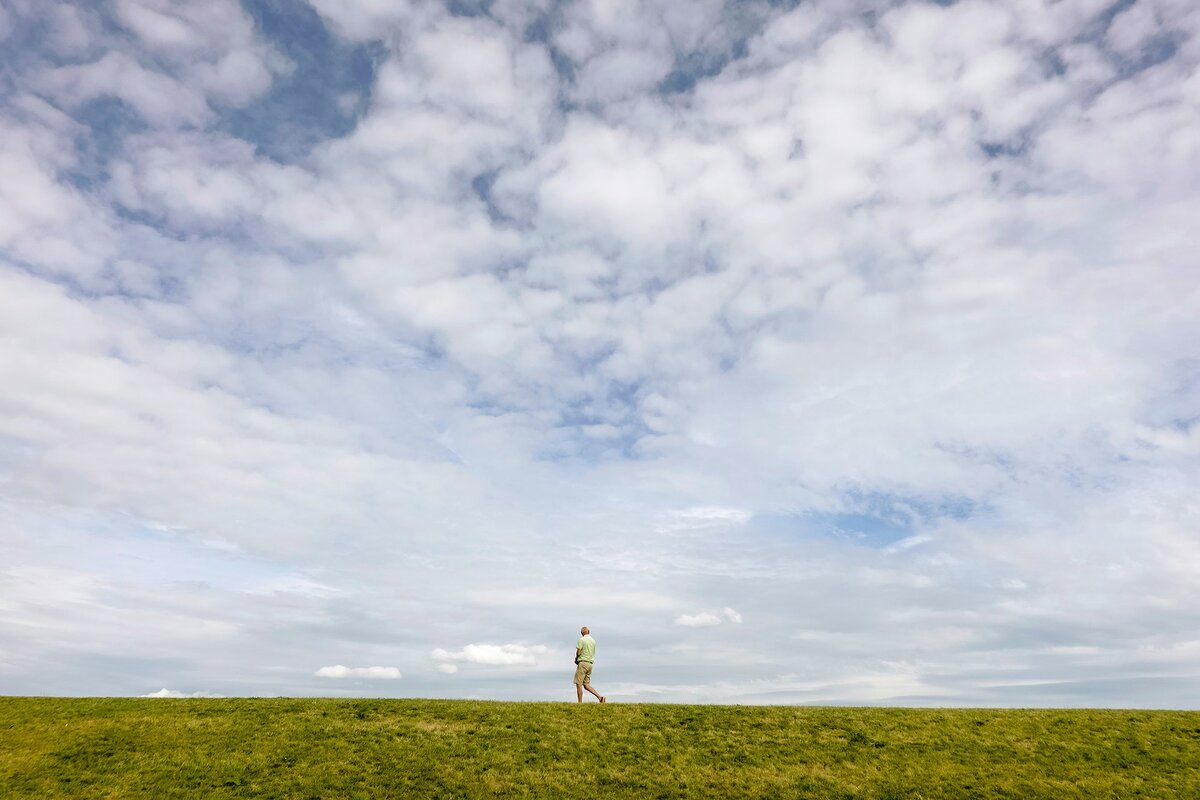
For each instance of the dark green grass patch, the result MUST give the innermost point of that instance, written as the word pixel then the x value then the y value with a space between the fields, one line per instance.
pixel 318 748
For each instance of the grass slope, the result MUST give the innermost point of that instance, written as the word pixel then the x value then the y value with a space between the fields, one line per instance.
pixel 317 748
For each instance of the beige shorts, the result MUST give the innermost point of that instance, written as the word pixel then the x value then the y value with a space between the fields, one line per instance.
pixel 583 673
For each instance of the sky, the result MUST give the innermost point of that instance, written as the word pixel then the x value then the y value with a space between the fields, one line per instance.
pixel 832 352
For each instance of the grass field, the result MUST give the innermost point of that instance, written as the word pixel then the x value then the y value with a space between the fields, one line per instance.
pixel 316 748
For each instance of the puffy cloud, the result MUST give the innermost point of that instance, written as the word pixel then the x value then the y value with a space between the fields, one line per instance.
pixel 200 54
pixel 369 19
pixel 493 654
pixel 72 30
pixel 708 619
pixel 370 673
pixel 157 97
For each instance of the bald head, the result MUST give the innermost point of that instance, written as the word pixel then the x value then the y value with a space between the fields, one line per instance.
pixel 585 630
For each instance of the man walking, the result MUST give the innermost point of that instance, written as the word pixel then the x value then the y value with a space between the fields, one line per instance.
pixel 585 656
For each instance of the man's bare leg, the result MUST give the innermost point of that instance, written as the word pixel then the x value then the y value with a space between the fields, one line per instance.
pixel 579 692
pixel 588 686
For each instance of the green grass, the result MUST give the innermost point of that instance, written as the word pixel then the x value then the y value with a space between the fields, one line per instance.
pixel 110 748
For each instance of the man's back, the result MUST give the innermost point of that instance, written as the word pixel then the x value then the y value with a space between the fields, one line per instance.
pixel 587 648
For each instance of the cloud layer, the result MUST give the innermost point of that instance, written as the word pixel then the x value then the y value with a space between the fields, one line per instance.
pixel 370 329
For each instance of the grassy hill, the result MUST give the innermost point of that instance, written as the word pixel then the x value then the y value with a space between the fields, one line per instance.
pixel 318 748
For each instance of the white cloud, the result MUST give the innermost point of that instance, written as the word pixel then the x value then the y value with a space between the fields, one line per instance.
pixel 703 517
pixel 448 669
pixel 372 673
pixel 172 693
pixel 704 619
pixel 367 19
pixel 159 98
pixel 480 75
pixel 732 616
pixel 493 654
pixel 156 25
pixel 200 53
pixel 1131 28
pixel 71 30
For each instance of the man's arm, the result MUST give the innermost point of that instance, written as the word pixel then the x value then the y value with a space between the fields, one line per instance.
pixel 577 655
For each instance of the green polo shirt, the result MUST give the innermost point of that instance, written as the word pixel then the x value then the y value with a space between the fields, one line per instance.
pixel 587 648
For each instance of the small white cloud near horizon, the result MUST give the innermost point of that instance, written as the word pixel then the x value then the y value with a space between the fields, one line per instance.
pixel 702 517
pixel 715 514
pixel 909 542
pixel 448 669
pixel 732 615
pixel 702 620
pixel 172 693
pixel 493 654
pixel 339 671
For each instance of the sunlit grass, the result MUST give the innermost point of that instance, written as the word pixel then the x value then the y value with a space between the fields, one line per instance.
pixel 319 748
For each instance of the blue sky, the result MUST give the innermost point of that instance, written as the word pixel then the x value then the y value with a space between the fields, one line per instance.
pixel 834 352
